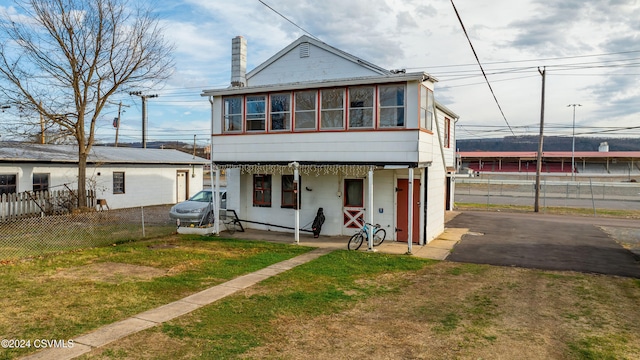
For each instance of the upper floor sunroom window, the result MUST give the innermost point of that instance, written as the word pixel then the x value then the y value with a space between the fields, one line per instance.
pixel 376 106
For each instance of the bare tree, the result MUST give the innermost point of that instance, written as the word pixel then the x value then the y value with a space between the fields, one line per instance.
pixel 64 59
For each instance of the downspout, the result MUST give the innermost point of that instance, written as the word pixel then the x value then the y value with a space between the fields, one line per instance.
pixel 410 213
pixel 422 208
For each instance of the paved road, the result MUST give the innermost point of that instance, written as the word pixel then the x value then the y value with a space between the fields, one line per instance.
pixel 567 202
pixel 547 242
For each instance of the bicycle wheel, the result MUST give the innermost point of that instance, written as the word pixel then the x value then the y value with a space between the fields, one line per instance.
pixel 237 226
pixel 231 227
pixel 379 236
pixel 355 242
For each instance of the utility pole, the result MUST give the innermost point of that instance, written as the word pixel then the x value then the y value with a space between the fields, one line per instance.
pixel 194 146
pixel 144 114
pixel 116 123
pixel 536 206
pixel 573 143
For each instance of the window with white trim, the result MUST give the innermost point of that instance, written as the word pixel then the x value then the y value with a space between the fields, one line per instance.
pixel 233 114
pixel 280 111
pixel 361 106
pixel 332 109
pixel 426 108
pixel 256 112
pixel 392 106
pixel 306 110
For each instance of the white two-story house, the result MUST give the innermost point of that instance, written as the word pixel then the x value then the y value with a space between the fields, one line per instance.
pixel 367 143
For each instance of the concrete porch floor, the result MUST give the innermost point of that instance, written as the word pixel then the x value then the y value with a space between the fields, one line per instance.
pixel 437 249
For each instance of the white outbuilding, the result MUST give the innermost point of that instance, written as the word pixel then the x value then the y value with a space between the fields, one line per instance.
pixel 123 177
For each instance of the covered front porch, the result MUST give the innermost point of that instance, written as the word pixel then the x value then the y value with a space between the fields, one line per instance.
pixel 392 195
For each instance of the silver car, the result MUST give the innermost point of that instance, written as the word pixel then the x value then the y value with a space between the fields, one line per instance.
pixel 197 210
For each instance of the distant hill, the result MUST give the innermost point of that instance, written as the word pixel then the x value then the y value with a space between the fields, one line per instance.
pixel 551 143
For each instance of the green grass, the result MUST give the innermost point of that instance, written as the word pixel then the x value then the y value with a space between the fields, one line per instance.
pixel 332 283
pixel 468 307
pixel 598 348
pixel 474 269
pixel 45 305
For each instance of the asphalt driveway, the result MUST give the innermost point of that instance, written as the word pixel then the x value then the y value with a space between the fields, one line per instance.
pixel 549 242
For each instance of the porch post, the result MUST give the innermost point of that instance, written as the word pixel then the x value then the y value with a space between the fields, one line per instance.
pixel 410 212
pixel 370 207
pixel 296 192
pixel 216 194
pixel 421 217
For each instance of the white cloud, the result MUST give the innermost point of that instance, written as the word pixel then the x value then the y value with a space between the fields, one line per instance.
pixel 425 36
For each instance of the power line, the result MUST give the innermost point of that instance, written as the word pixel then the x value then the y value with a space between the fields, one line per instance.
pixel 534 60
pixel 284 17
pixel 480 64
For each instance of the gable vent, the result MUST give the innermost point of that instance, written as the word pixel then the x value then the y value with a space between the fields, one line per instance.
pixel 304 50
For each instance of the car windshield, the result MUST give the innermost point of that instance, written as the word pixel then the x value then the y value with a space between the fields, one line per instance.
pixel 202 196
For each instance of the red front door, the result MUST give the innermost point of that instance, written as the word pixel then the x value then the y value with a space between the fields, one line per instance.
pixel 402 211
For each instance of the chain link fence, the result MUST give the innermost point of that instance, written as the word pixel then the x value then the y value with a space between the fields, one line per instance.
pixel 35 236
pixel 582 193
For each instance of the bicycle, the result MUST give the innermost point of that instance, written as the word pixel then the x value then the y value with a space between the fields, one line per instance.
pixel 232 226
pixel 379 234
pixel 231 221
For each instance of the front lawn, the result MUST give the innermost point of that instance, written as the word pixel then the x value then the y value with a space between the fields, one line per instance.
pixel 358 305
pixel 65 295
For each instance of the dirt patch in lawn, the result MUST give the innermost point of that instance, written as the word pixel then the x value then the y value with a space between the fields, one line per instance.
pixel 111 272
pixel 454 311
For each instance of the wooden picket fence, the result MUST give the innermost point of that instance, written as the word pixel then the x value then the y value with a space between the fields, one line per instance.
pixel 42 203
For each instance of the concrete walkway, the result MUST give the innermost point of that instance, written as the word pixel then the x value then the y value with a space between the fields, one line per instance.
pixel 118 330
pixel 437 249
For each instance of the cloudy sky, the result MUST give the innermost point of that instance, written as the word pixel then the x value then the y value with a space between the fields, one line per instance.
pixel 590 49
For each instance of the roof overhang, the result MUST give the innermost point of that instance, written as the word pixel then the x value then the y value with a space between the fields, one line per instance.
pixel 417 76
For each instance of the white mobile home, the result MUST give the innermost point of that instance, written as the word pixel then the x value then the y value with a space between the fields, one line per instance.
pixel 124 177
pixel 368 143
